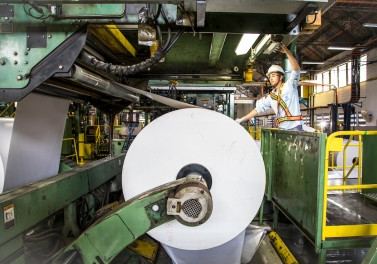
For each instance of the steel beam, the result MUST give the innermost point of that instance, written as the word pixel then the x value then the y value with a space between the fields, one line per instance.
pixel 218 40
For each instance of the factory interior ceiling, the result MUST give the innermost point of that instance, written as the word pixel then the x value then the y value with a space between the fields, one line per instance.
pixel 342 26
pixel 198 39
pixel 195 58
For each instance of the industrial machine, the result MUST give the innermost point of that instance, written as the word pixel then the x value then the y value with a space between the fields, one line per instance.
pixel 135 55
pixel 332 213
pixel 188 200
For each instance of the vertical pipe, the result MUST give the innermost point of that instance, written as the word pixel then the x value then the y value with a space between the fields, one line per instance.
pixel 81 148
pixel 111 147
pixel 334 118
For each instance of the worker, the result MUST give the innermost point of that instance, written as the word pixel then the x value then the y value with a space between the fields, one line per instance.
pixel 284 97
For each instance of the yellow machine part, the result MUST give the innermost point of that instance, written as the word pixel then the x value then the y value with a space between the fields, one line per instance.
pixel 284 253
pixel 336 144
pixel 111 37
pixel 147 249
pixel 311 23
pixel 81 148
pixel 249 74
pixel 89 149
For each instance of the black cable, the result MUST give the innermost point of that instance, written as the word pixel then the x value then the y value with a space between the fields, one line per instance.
pixel 167 24
pixel 121 70
pixel 158 13
pixel 37 8
pixel 174 40
pixel 168 40
pixel 164 16
pixel 315 18
pixel 159 34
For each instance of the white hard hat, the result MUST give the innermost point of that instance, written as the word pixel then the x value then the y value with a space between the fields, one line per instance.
pixel 275 68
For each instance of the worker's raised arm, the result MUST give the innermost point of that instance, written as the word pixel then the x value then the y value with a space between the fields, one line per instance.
pixel 292 60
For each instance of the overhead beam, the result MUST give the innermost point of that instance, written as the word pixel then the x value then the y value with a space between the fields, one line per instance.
pixel 175 2
pixel 218 40
pixel 110 36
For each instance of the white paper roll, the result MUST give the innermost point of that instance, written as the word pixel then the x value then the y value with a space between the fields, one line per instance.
pixel 35 146
pixel 6 128
pixel 2 174
pixel 214 141
pixel 352 152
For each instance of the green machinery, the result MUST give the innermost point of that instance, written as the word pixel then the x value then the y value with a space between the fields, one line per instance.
pixel 329 214
pixel 26 208
pixel 42 202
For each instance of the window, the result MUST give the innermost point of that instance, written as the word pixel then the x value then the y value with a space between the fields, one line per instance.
pixel 349 74
pixel 326 80
pixel 318 88
pixel 363 68
pixel 334 77
pixel 342 75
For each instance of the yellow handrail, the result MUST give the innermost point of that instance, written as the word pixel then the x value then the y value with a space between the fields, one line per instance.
pixel 74 145
pixel 346 230
pixel 6 109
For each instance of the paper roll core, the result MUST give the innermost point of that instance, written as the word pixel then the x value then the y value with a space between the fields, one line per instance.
pixel 198 169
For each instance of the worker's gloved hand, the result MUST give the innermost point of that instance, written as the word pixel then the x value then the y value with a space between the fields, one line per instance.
pixel 240 120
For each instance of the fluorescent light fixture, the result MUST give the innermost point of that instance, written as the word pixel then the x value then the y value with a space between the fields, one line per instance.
pixel 339 48
pixel 303 71
pixel 271 48
pixel 374 25
pixel 262 43
pixel 246 43
pixel 312 62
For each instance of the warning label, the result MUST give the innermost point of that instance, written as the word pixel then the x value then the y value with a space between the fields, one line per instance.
pixel 9 220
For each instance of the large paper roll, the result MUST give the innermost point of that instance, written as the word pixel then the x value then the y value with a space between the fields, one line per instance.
pixel 6 129
pixel 35 145
pixel 214 141
pixel 2 175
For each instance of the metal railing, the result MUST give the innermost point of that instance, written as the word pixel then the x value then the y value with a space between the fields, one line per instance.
pixel 332 144
pixel 6 109
pixel 74 146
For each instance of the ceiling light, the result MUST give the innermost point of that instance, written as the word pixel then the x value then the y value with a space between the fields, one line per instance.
pixel 262 43
pixel 339 48
pixel 370 25
pixel 246 42
pixel 312 62
pixel 273 47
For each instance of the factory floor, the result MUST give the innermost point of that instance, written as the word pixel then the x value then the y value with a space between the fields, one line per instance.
pixel 341 211
pixel 299 246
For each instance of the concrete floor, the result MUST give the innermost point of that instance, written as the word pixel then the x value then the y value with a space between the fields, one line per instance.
pixel 299 246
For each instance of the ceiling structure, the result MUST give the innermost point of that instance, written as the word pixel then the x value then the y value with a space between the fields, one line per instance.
pixel 342 26
pixel 189 59
pixel 198 37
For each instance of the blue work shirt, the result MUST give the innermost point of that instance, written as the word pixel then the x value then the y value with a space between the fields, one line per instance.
pixel 289 95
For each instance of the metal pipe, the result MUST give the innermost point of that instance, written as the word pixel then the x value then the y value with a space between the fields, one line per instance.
pixel 97 83
pixel 111 147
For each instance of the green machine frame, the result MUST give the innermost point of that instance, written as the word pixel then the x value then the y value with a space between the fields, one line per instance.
pixel 295 169
pixel 26 207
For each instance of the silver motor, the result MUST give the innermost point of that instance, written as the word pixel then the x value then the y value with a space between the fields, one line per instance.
pixel 192 201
